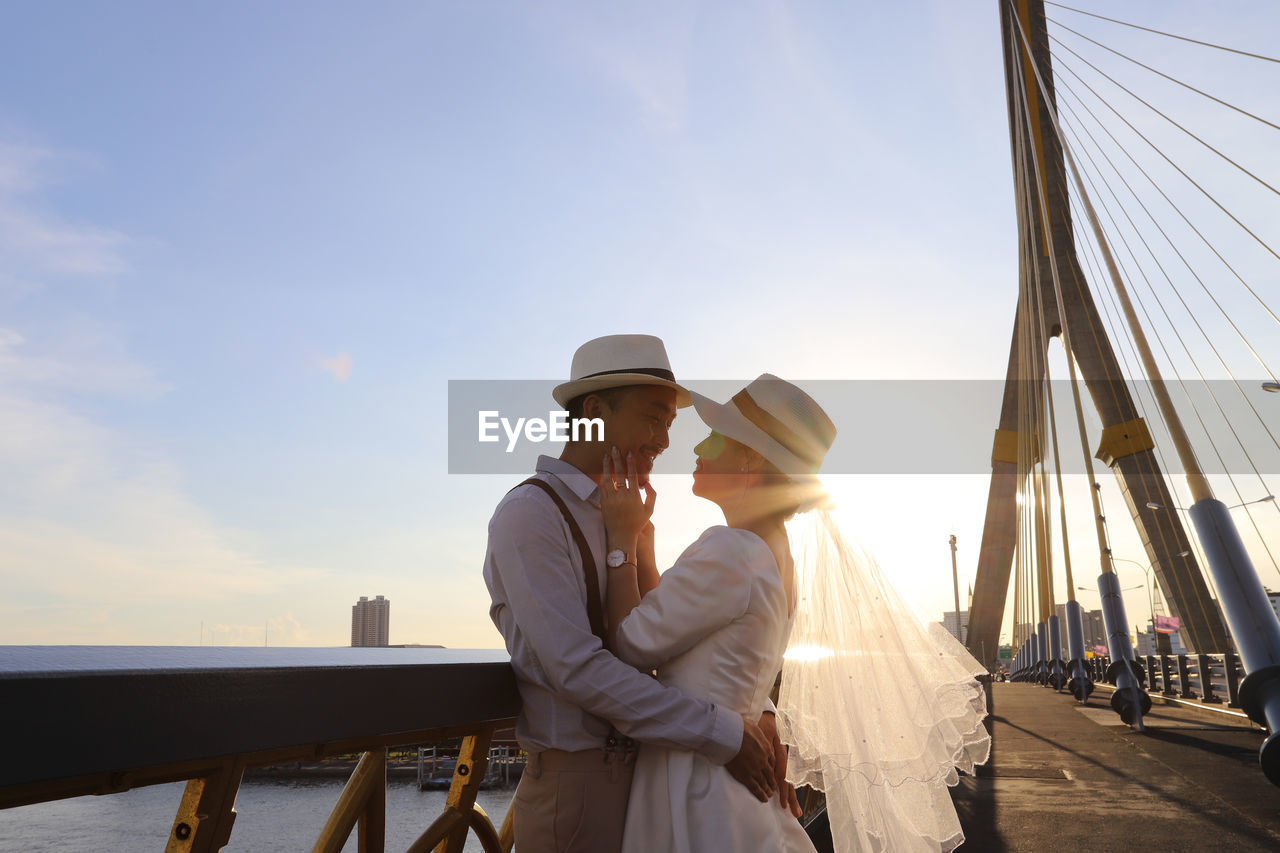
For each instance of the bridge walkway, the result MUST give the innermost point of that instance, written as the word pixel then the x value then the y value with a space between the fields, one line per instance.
pixel 1070 777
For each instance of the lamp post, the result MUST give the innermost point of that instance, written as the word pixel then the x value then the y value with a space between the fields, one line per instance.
pixel 955 585
pixel 1163 646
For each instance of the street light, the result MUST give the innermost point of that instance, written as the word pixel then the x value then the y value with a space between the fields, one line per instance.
pixel 1126 589
pixel 1148 570
pixel 1273 387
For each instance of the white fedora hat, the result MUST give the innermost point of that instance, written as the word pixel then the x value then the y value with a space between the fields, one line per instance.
pixel 775 419
pixel 614 361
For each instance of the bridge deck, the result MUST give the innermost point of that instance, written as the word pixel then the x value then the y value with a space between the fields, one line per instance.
pixel 1067 777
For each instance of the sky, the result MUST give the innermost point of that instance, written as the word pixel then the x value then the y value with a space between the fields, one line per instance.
pixel 245 247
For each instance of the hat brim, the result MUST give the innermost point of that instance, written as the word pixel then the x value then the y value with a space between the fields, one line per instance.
pixel 725 419
pixel 566 391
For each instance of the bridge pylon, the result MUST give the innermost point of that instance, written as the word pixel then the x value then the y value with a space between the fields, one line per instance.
pixel 1047 309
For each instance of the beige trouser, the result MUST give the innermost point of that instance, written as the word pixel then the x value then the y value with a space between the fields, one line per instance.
pixel 572 802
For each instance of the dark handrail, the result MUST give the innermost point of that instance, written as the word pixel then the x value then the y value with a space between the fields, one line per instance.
pixel 94 719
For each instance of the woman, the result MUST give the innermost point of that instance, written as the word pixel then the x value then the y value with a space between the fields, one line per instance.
pixel 717 626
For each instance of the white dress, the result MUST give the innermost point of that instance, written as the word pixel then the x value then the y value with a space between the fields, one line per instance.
pixel 716 627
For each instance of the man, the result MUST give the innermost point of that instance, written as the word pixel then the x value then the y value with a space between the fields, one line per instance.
pixel 539 570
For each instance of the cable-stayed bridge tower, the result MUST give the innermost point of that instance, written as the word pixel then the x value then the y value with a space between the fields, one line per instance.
pixel 1047 251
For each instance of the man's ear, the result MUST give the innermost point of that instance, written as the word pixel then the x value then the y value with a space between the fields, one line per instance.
pixel 593 406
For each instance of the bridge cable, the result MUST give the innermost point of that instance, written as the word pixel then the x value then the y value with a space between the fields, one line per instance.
pixel 1142 462
pixel 1082 191
pixel 1121 333
pixel 1162 115
pixel 1180 171
pixel 1168 77
pixel 1208 387
pixel 1033 372
pixel 1024 606
pixel 1116 402
pixel 1066 336
pixel 1168 35
pixel 1182 384
pixel 1173 246
pixel 1190 313
pixel 1045 398
pixel 1155 185
pixel 1104 550
pixel 1180 381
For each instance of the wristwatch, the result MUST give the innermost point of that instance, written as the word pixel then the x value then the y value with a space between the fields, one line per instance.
pixel 617 557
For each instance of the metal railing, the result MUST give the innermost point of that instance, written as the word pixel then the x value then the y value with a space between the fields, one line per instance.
pixel 1212 679
pixel 105 719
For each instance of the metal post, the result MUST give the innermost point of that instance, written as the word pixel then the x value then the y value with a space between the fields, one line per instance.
pixel 1184 678
pixel 1080 684
pixel 1230 666
pixel 955 586
pixel 1207 695
pixel 1057 679
pixel 1252 622
pixel 1129 700
pixel 1042 653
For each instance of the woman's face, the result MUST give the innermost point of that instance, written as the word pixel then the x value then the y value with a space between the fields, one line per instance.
pixel 719 467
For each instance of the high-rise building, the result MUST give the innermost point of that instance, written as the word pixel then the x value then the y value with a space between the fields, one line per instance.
pixel 957 624
pixel 1091 622
pixel 370 622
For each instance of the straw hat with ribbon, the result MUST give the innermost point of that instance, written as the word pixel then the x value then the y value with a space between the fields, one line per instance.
pixel 614 361
pixel 775 419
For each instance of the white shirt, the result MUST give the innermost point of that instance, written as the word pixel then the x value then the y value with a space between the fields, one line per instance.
pixel 570 686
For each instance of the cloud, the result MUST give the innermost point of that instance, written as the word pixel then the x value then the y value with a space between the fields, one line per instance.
pixel 36 242
pixel 88 513
pixel 649 64
pixel 81 355
pixel 100 540
pixel 339 367
pixel 276 631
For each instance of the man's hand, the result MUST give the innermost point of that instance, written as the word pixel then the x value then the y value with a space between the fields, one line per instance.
pixel 786 791
pixel 753 765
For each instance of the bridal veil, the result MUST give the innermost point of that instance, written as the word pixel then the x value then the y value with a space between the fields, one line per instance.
pixel 879 712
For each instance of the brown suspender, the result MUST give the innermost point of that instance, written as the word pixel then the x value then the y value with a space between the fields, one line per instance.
pixel 615 743
pixel 595 615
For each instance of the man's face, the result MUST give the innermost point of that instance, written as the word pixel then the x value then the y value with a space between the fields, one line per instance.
pixel 638 423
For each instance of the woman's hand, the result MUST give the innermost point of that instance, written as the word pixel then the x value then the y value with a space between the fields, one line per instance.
pixel 646 559
pixel 626 512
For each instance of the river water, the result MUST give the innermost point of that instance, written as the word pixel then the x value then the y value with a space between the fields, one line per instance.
pixel 272 816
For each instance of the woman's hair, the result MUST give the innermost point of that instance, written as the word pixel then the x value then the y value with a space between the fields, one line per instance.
pixel 792 495
pixel 787 495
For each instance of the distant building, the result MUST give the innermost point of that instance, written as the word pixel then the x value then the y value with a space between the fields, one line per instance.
pixel 1095 630
pixel 370 622
pixel 957 624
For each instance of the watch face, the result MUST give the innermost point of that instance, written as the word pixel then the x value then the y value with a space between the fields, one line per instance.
pixel 614 559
